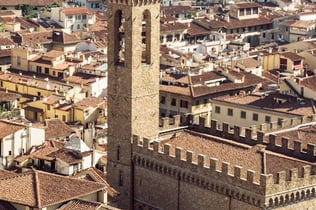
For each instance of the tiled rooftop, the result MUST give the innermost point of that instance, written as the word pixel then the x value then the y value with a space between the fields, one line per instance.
pixel 233 23
pixel 292 56
pixel 249 80
pixel 68 156
pixel 246 5
pixel 31 81
pixel 89 102
pixel 7 96
pixel 305 133
pixel 8 128
pixel 6 41
pixel 93 174
pixel 56 129
pixel 76 10
pixel 81 205
pixel 248 157
pixel 290 104
pixel 40 189
pixel 81 78
pixel 29 2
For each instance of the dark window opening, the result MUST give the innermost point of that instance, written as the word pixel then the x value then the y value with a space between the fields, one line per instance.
pixel 146 39
pixel 119 38
pixel 162 99
pixel 118 153
pixel 267 119
pixel 255 117
pixel 217 109
pixel 173 102
pixel 183 104
pixel 230 112
pixel 243 114
pixel 121 179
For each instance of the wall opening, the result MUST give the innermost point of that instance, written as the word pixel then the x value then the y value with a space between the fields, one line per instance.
pixel 119 38
pixel 146 37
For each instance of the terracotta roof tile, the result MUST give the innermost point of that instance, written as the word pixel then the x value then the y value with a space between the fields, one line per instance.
pixel 89 102
pixel 5 53
pixel 8 128
pixel 6 12
pixel 81 78
pixel 290 105
pixel 35 38
pixel 93 174
pixel 292 56
pixel 31 189
pixel 81 205
pixel 246 5
pixel 6 41
pixel 7 96
pixel 221 149
pixel 309 82
pixel 30 2
pixel 68 156
pixel 56 129
pixel 233 23
pixel 76 10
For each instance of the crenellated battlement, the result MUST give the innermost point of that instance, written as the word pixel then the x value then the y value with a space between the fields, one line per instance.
pixel 167 123
pixel 135 2
pixel 211 174
pixel 252 137
pixel 198 170
pixel 286 123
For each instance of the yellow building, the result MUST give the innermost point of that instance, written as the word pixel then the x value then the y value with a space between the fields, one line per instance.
pixel 89 110
pixel 256 110
pixel 53 64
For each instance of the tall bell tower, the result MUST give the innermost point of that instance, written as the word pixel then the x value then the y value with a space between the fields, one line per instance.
pixel 133 91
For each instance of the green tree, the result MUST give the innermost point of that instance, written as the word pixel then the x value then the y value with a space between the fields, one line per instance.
pixel 1 26
pixel 27 10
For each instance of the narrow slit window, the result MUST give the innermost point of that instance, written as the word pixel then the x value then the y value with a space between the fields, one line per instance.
pixel 146 38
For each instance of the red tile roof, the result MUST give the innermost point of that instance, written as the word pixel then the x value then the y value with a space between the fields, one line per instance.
pixel 8 128
pixel 6 96
pixel 40 189
pixel 29 2
pixel 56 129
pixel 89 102
pixel 81 205
pixel 76 11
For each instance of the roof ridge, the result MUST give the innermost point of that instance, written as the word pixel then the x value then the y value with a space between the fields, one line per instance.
pixel 37 190
pixel 97 176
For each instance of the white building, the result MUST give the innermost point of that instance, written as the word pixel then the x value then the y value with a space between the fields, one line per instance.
pixel 17 139
pixel 73 18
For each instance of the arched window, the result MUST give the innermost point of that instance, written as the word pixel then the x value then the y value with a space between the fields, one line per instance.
pixel 146 38
pixel 119 39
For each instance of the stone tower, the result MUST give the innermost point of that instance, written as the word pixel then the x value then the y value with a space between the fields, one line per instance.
pixel 133 92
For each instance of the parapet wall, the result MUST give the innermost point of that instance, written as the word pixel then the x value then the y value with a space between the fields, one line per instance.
pixel 167 123
pixel 253 137
pixel 205 173
pixel 216 176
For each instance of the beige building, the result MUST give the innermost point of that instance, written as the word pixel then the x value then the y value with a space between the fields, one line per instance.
pixel 256 111
pixel 189 95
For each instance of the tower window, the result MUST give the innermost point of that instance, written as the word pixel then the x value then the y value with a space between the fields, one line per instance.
pixel 119 39
pixel 146 29
pixel 120 178
pixel 118 151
